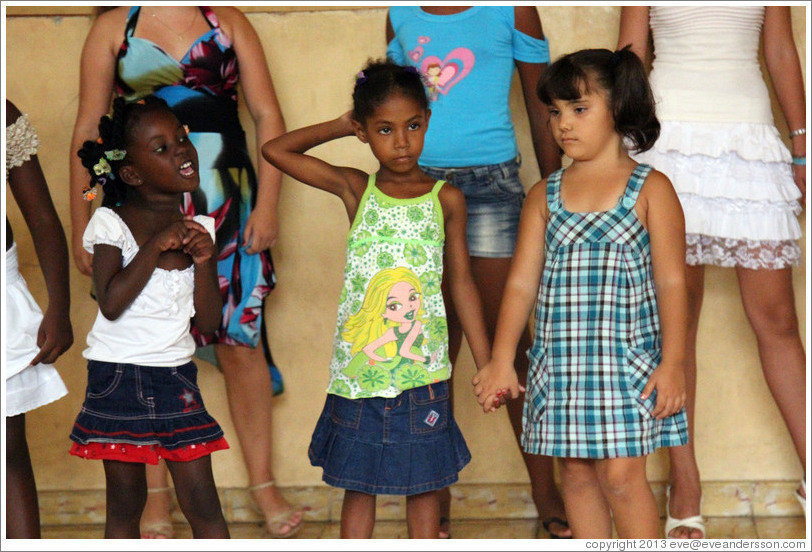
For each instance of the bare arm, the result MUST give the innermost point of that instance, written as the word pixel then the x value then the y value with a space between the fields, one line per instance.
pixel 521 290
pixel 634 30
pixel 666 227
pixel 287 153
pixel 463 289
pixel 96 79
pixel 547 151
pixel 262 227
pixel 30 191
pixel 784 67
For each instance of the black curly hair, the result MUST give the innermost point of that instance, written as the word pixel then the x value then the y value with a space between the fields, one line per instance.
pixel 104 157
pixel 381 78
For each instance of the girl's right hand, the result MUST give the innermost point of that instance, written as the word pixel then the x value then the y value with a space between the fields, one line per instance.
pixel 170 237
pixel 83 260
pixel 495 382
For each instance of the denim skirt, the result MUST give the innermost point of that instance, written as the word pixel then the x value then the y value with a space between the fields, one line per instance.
pixel 405 445
pixel 157 409
pixel 494 196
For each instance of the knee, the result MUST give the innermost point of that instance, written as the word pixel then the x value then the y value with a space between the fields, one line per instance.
pixel 620 480
pixel 127 500
pixel 774 321
pixel 577 475
pixel 201 502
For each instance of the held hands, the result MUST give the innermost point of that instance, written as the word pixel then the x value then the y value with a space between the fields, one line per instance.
pixel 55 336
pixel 669 381
pixel 495 384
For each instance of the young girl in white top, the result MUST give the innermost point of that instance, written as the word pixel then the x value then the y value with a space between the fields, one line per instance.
pixel 154 271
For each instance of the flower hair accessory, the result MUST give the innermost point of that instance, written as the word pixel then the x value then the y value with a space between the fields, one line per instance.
pixel 186 128
pixel 115 155
pixel 89 194
pixel 360 78
pixel 102 167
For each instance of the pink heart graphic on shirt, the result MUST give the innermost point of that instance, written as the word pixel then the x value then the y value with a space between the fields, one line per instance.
pixel 416 54
pixel 423 40
pixel 456 65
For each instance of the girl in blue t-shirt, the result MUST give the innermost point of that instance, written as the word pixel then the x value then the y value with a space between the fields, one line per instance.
pixel 467 56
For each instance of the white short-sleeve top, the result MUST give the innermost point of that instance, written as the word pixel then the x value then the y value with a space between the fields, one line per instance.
pixel 154 329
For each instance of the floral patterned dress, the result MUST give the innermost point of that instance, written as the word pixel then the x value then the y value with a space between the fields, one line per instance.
pixel 202 90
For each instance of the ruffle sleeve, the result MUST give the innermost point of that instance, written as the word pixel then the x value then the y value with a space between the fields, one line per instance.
pixel 21 143
pixel 106 227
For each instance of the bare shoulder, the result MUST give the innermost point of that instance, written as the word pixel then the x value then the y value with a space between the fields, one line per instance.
pixel 537 198
pixel 109 28
pixel 657 184
pixel 451 197
pixel 232 20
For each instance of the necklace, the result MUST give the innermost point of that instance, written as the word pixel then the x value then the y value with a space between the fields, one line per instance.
pixel 179 35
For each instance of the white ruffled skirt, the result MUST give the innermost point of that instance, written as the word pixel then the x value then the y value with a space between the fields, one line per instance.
pixel 27 387
pixel 736 187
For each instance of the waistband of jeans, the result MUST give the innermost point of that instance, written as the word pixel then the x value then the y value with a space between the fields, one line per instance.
pixel 478 170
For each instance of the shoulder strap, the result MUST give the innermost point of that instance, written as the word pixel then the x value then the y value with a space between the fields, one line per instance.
pixel 437 187
pixel 554 191
pixel 132 21
pixel 210 16
pixel 635 184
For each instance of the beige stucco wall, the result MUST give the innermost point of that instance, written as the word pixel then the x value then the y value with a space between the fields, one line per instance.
pixel 313 56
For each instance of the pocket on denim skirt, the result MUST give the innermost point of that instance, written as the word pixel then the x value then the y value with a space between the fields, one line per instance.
pixel 345 412
pixel 187 375
pixel 506 181
pixel 103 378
pixel 429 408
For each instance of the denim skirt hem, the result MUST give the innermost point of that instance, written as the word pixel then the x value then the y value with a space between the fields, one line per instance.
pixel 144 405
pixel 405 445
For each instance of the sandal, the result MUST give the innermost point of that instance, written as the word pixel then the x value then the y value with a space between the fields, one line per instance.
pixel 159 529
pixel 274 524
pixel 546 523
pixel 692 522
pixel 802 497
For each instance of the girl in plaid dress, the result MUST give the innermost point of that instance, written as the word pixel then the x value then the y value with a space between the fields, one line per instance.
pixel 600 253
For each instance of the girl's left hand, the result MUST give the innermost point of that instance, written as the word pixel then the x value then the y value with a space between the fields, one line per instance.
pixel 669 381
pixel 799 173
pixel 198 243
pixel 261 231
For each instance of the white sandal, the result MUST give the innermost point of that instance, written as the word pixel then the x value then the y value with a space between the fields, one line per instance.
pixel 802 497
pixel 694 522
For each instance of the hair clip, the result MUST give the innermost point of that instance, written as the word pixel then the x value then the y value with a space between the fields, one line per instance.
pixel 115 155
pixel 89 194
pixel 186 128
pixel 142 101
pixel 360 78
pixel 99 140
pixel 102 167
pixel 412 69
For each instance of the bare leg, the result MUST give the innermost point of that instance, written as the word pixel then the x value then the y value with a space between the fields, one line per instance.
pixel 624 484
pixel 686 490
pixel 357 515
pixel 248 386
pixel 769 303
pixel 490 276
pixel 198 498
pixel 423 515
pixel 126 492
pixel 22 506
pixel 587 509
pixel 156 521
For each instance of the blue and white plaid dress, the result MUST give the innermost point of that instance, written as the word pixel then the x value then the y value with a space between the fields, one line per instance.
pixel 597 337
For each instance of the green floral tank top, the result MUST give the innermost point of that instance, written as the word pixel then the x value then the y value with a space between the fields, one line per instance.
pixel 392 333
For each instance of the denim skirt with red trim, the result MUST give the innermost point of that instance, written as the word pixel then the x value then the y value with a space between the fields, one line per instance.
pixel 141 414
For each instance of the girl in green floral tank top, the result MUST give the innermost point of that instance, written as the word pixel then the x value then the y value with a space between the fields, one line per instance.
pixel 387 426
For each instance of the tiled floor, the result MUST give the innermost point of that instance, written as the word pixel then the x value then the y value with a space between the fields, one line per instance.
pixel 718 527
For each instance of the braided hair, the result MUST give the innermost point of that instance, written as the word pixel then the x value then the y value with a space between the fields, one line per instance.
pixel 104 157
